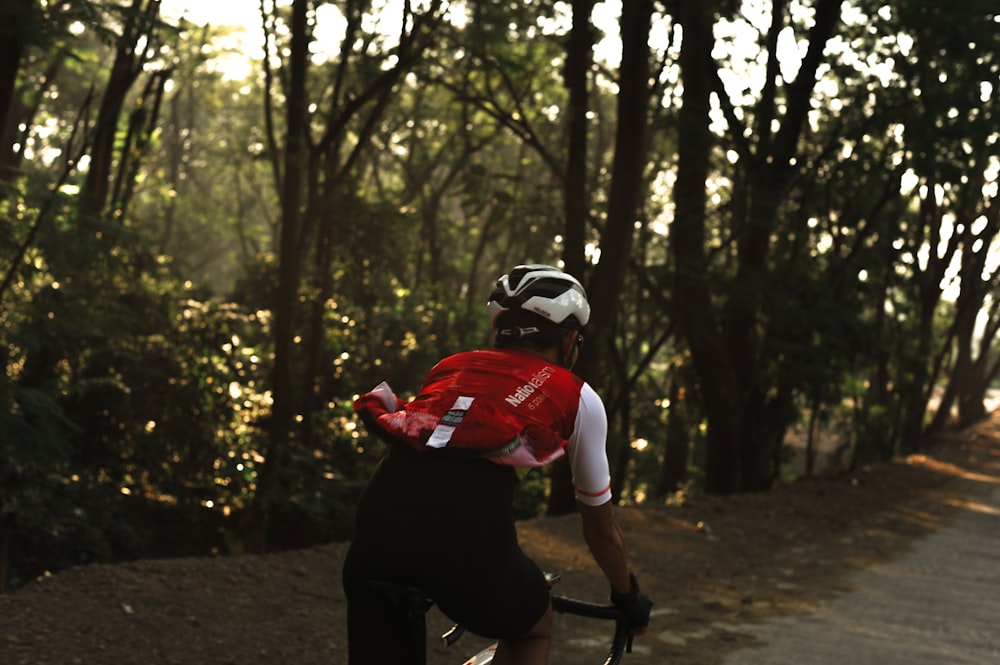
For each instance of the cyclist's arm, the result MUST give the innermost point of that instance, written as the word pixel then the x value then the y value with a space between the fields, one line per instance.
pixel 604 538
pixel 592 483
pixel 587 452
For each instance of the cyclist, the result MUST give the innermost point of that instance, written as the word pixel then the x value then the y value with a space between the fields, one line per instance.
pixel 436 514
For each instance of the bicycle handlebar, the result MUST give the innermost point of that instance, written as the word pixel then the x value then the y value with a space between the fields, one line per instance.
pixel 622 641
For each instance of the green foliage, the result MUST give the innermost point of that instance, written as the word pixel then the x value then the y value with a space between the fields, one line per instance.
pixel 531 495
pixel 139 394
pixel 320 484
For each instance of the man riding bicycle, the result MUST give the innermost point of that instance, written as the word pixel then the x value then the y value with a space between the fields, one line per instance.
pixel 437 512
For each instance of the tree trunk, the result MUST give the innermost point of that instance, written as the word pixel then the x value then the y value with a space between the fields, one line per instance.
pixel 974 376
pixel 693 309
pixel 579 58
pixel 289 273
pixel 16 16
pixel 4 545
pixel 677 446
pixel 136 39
pixel 745 419
pixel 616 240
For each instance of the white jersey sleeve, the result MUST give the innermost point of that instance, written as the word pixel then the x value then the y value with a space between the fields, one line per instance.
pixel 587 450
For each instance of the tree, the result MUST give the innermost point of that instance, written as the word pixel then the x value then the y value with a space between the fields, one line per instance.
pixel 42 348
pixel 693 306
pixel 616 237
pixel 746 418
pixel 18 20
pixel 951 141
pixel 135 48
pixel 312 171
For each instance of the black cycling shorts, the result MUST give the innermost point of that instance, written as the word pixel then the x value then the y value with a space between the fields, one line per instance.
pixel 443 525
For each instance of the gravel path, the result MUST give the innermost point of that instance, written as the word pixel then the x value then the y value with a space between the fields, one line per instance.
pixel 937 605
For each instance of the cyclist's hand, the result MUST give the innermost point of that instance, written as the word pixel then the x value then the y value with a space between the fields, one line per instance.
pixel 635 605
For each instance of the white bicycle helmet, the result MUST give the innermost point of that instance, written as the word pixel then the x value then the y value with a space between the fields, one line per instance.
pixel 549 292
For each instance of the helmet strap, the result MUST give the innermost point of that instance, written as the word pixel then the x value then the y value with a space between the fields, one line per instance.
pixel 568 348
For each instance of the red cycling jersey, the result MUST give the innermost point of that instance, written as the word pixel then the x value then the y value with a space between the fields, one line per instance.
pixel 516 407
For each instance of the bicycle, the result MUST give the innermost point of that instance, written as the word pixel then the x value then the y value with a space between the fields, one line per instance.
pixel 417 602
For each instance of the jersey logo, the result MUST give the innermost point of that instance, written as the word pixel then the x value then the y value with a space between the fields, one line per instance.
pixel 449 421
pixel 539 378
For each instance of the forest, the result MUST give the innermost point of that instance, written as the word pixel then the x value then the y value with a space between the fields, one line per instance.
pixel 212 238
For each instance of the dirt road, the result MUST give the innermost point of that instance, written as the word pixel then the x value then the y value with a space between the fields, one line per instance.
pixel 937 605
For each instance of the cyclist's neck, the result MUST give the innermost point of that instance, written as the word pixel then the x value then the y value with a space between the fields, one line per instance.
pixel 552 354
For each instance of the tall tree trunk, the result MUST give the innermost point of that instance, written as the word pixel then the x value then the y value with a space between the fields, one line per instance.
pixel 16 16
pixel 774 167
pixel 968 370
pixel 289 273
pixel 628 171
pixel 132 53
pixel 314 377
pixel 677 444
pixel 616 239
pixel 693 309
pixel 745 419
pixel 579 58
pixel 628 168
pixel 976 286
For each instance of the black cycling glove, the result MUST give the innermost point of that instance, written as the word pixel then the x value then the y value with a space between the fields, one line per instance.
pixel 635 605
